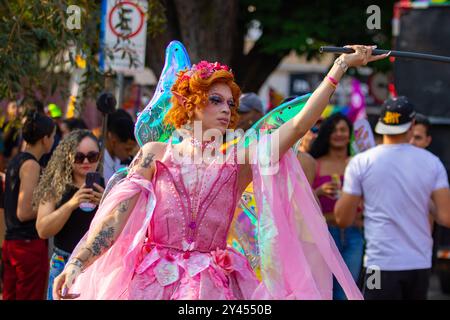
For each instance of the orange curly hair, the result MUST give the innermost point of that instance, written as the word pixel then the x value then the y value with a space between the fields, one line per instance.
pixel 194 89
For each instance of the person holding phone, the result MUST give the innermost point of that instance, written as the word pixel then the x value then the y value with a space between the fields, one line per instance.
pixel 69 182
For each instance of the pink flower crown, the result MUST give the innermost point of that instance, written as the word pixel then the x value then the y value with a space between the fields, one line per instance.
pixel 205 69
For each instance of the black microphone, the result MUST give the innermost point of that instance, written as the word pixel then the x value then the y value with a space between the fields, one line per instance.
pixel 106 103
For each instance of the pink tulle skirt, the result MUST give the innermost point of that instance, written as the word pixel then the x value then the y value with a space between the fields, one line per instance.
pixel 170 274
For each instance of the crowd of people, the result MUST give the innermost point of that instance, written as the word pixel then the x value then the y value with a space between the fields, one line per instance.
pixel 45 161
pixel 377 205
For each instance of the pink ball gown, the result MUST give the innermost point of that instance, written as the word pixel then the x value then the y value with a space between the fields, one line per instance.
pixel 173 245
pixel 186 254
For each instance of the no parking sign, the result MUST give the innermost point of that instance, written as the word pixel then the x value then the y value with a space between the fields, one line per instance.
pixel 123 35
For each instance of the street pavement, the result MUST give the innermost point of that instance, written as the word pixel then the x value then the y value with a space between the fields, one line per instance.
pixel 434 292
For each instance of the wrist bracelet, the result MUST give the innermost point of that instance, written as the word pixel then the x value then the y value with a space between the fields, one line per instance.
pixel 331 82
pixel 341 64
pixel 77 262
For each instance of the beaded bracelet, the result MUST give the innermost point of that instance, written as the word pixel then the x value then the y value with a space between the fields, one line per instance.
pixel 331 82
pixel 335 82
pixel 341 64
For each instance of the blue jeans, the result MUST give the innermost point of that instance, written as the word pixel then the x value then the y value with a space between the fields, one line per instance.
pixel 57 264
pixel 350 242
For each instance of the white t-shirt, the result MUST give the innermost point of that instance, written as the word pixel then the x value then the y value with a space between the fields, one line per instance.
pixel 396 182
pixel 110 166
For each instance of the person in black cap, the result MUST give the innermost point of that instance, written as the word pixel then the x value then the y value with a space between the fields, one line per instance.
pixel 397 181
pixel 397 117
pixel 250 110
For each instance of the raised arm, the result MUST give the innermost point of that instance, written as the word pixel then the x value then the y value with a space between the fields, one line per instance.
pixel 293 130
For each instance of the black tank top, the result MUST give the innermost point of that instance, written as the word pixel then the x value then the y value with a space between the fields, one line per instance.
pixel 76 227
pixel 15 229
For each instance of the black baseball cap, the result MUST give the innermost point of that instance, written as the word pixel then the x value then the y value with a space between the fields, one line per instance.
pixel 397 115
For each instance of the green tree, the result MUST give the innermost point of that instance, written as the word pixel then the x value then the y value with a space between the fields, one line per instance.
pixel 216 30
pixel 35 40
pixel 38 46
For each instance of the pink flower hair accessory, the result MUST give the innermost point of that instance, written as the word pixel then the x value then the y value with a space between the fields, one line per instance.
pixel 205 69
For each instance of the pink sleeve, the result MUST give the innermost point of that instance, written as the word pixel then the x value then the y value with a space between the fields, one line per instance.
pixel 298 255
pixel 108 277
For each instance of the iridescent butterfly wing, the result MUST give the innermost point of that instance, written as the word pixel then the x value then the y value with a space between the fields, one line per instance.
pixel 244 230
pixel 150 125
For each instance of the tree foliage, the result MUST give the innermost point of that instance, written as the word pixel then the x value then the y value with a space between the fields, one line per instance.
pixel 36 46
pixel 286 25
pixel 33 40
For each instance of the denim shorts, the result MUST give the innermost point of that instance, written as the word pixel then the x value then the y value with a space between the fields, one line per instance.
pixel 57 264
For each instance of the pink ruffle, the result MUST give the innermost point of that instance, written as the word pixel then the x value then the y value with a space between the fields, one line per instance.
pixel 200 276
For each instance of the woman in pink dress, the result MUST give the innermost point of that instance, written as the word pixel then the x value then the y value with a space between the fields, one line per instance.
pixel 161 232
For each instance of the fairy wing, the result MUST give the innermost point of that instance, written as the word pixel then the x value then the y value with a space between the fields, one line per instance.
pixel 150 125
pixel 244 230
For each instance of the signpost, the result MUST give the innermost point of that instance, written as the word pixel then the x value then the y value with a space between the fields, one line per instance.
pixel 123 37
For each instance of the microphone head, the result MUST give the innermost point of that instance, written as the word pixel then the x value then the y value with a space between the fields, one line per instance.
pixel 106 103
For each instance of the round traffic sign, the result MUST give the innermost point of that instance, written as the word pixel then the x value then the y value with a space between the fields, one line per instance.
pixel 140 24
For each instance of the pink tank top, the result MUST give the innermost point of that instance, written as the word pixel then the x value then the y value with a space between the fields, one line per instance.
pixel 327 203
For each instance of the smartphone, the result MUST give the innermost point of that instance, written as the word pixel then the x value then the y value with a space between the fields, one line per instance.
pixel 93 177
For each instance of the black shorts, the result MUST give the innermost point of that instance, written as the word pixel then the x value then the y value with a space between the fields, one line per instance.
pixel 396 285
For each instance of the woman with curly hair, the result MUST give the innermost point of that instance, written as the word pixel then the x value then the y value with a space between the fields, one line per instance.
pixel 59 194
pixel 161 233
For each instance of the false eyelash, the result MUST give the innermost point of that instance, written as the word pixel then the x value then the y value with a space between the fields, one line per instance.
pixel 231 104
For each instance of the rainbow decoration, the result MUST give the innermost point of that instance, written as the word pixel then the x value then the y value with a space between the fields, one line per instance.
pixel 332 109
pixel 432 2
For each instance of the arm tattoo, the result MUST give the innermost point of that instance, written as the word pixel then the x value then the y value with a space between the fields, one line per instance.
pixel 123 207
pixel 147 160
pixel 91 253
pixel 136 161
pixel 103 240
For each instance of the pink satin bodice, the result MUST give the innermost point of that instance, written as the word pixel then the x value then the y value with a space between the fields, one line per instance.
pixel 195 204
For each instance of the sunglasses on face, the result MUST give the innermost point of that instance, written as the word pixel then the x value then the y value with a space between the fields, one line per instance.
pixel 92 157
